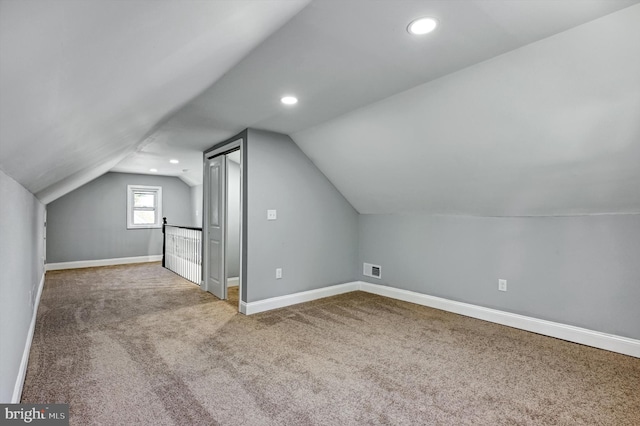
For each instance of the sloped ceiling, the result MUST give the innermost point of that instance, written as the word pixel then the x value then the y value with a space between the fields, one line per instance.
pixel 529 131
pixel 552 128
pixel 83 83
pixel 509 108
pixel 338 56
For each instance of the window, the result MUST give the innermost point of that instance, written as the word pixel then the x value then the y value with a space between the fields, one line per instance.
pixel 144 206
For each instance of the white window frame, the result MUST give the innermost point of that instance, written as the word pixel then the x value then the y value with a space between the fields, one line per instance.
pixel 132 189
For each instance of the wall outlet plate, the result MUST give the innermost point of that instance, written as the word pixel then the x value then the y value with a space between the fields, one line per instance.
pixel 272 215
pixel 502 285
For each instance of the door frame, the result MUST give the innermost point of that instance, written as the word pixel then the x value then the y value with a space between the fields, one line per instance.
pixel 235 143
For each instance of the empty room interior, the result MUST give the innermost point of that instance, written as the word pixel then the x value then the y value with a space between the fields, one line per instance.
pixel 297 212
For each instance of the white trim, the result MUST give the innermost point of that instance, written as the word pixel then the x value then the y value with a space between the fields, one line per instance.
pixel 233 282
pixel 295 298
pixel 102 262
pixel 157 209
pixel 610 342
pixel 22 372
pixel 242 225
pixel 223 149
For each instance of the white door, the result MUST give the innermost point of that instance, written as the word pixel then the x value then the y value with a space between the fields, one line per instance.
pixel 215 223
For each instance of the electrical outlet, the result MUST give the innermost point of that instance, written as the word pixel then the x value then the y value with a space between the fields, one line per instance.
pixel 272 215
pixel 502 285
pixel 278 273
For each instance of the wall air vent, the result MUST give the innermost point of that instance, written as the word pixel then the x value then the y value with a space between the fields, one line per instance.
pixel 373 271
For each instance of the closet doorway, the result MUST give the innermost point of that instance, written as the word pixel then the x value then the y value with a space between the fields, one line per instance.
pixel 222 221
pixel 233 216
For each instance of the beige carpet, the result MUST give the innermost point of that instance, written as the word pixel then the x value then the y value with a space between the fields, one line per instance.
pixel 137 345
pixel 233 298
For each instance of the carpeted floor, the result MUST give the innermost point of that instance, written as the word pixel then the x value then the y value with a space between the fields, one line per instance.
pixel 137 345
pixel 233 298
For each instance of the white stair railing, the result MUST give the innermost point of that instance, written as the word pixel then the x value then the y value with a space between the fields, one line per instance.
pixel 182 251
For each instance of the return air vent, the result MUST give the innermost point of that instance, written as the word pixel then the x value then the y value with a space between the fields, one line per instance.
pixel 373 271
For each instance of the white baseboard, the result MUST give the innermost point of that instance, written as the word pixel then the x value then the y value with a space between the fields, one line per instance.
pixel 610 342
pixel 102 262
pixel 22 372
pixel 295 298
pixel 233 282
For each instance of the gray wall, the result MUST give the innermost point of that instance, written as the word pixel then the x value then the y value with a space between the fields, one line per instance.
pixel 233 219
pixel 196 205
pixel 21 270
pixel 315 236
pixel 582 271
pixel 90 223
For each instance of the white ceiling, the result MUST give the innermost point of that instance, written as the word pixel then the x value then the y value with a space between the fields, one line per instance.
pixel 84 83
pixel 340 56
pixel 100 85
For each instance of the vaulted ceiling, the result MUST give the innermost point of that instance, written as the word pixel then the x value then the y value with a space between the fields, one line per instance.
pixel 83 84
pixel 527 107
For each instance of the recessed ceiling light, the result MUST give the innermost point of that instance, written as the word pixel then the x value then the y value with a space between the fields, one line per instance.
pixel 289 100
pixel 153 170
pixel 174 161
pixel 422 26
